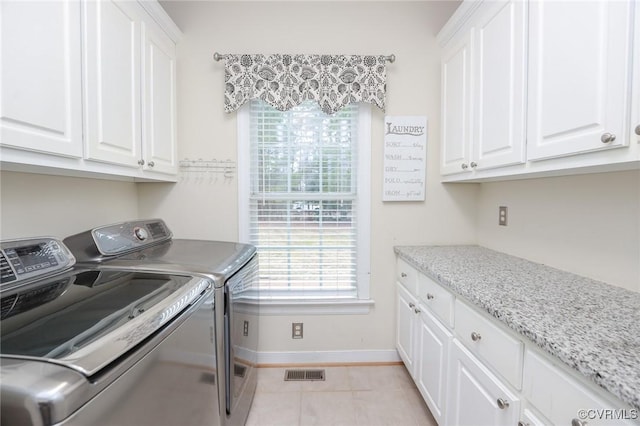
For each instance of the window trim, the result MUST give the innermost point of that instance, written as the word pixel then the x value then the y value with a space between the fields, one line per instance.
pixel 363 267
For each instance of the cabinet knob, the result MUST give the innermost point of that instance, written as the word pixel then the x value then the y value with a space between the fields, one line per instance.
pixel 608 137
pixel 475 336
pixel 430 296
pixel 141 162
pixel 151 164
pixel 416 310
pixel 464 166
pixel 403 275
pixel 473 164
pixel 412 305
pixel 638 130
pixel 578 422
pixel 502 404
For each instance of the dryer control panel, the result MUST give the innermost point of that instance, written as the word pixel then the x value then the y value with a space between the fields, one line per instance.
pixel 120 238
pixel 21 260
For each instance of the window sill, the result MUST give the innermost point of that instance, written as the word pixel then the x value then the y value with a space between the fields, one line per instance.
pixel 304 306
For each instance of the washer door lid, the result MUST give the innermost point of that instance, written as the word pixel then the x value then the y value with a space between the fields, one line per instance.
pixel 89 326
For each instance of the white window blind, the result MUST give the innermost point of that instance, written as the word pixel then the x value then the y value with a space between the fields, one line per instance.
pixel 303 200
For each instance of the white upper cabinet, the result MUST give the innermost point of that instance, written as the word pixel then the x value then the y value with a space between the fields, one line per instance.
pixel 112 58
pixel 40 84
pixel 534 88
pixel 579 76
pixel 456 106
pixel 635 116
pixel 88 89
pixel 500 85
pixel 483 91
pixel 159 133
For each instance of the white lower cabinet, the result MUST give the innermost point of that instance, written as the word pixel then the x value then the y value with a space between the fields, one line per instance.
pixel 406 327
pixel 479 372
pixel 431 363
pixel 423 344
pixel 477 397
pixel 564 400
pixel 530 418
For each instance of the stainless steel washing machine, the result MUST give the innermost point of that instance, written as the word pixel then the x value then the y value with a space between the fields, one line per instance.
pixel 148 245
pixel 103 345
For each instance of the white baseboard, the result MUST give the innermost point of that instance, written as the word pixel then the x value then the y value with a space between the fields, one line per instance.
pixel 330 357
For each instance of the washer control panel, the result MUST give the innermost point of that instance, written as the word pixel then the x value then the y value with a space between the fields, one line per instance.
pixel 21 260
pixel 120 238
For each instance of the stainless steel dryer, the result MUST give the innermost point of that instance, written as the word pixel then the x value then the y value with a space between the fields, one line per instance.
pixel 147 245
pixel 103 346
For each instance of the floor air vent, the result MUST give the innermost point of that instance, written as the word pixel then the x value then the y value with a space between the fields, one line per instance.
pixel 208 378
pixel 239 370
pixel 307 375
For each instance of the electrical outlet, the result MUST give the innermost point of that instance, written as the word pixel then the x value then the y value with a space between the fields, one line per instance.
pixel 245 331
pixel 502 215
pixel 296 330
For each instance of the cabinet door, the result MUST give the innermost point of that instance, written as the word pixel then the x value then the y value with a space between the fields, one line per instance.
pixel 40 84
pixel 432 363
pixel 476 397
pixel 112 81
pixel 159 147
pixel 561 398
pixel 456 107
pixel 405 327
pixel 499 114
pixel 635 83
pixel 578 76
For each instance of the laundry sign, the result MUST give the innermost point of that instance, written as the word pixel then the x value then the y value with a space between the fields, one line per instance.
pixel 405 157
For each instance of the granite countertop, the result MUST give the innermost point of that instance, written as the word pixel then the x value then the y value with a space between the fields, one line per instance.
pixel 591 326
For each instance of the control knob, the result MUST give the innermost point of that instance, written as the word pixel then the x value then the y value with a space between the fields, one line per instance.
pixel 140 233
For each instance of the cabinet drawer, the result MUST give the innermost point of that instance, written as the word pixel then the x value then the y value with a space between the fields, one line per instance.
pixel 407 275
pixel 437 298
pixel 560 397
pixel 500 350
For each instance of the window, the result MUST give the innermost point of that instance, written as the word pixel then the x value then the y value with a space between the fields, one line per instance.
pixel 304 199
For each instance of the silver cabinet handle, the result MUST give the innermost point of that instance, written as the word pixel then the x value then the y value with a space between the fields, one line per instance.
pixel 578 422
pixel 141 162
pixel 473 164
pixel 412 305
pixel 475 336
pixel 403 275
pixel 638 130
pixel 608 137
pixel 430 296
pixel 416 310
pixel 502 404
pixel 464 166
pixel 151 164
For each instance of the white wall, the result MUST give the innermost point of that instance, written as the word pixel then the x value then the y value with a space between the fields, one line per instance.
pixel 40 205
pixel 406 29
pixel 588 224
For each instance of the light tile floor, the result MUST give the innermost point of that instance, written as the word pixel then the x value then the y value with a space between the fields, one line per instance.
pixel 349 396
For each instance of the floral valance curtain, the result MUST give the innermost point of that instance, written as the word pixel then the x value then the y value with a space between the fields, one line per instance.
pixel 284 81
